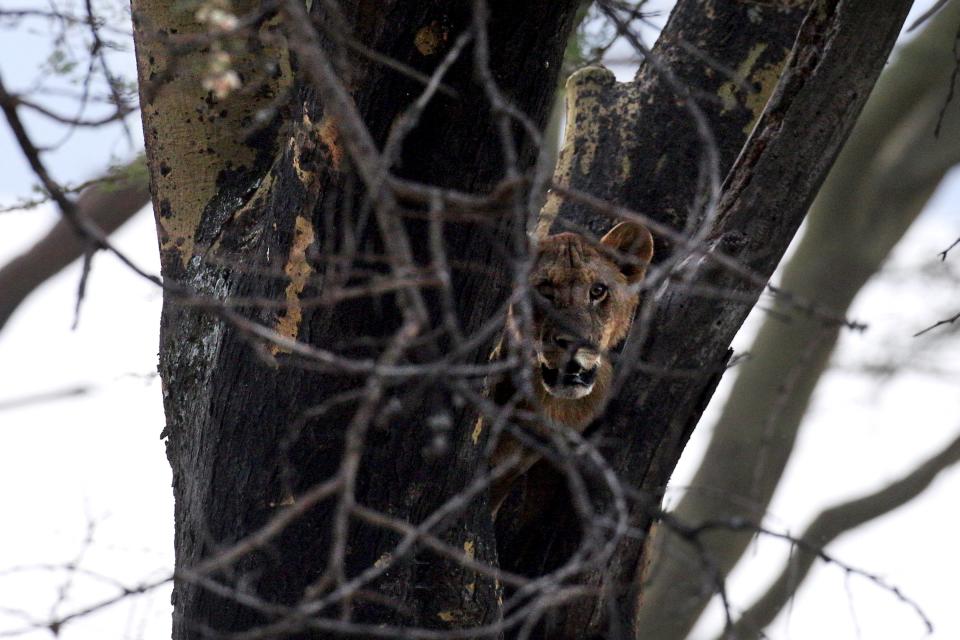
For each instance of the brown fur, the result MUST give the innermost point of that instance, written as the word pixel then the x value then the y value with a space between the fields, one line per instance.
pixel 574 329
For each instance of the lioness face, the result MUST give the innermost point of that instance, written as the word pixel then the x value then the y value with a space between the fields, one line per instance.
pixel 585 304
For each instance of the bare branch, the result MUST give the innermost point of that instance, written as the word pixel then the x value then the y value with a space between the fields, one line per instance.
pixel 830 525
pixel 938 324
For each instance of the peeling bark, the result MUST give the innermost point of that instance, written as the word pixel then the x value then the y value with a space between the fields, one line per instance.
pixel 265 216
pixel 195 141
pixel 236 220
pixel 637 144
pixel 863 209
pixel 838 54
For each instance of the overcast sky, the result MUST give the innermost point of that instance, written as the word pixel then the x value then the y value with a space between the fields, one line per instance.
pixel 85 479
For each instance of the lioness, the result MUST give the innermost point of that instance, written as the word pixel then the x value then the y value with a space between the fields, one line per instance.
pixel 587 299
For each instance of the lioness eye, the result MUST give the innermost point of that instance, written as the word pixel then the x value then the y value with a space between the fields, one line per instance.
pixel 598 291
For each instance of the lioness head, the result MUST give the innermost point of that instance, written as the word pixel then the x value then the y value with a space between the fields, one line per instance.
pixel 586 305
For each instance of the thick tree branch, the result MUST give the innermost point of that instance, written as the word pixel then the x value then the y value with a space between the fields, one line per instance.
pixel 107 205
pixel 873 194
pixel 94 237
pixel 830 525
pixel 635 144
pixel 837 56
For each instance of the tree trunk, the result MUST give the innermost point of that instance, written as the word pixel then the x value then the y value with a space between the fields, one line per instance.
pixel 658 145
pixel 266 218
pixel 878 186
pixel 275 219
pixel 836 59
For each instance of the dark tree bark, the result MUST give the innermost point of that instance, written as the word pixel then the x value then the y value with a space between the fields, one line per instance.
pixel 238 439
pixel 269 217
pixel 656 133
pixel 837 56
pixel 863 209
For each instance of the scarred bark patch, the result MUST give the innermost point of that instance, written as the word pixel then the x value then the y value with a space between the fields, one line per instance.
pixel 298 269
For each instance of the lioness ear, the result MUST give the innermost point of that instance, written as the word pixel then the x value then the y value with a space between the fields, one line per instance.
pixel 631 240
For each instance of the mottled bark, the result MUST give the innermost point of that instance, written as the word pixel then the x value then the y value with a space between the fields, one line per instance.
pixel 838 54
pixel 879 184
pixel 263 220
pixel 265 216
pixel 637 143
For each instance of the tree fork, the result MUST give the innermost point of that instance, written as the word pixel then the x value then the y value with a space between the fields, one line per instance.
pixel 838 54
pixel 635 143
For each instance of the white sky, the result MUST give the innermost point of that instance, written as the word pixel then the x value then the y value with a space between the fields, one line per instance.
pixel 92 466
